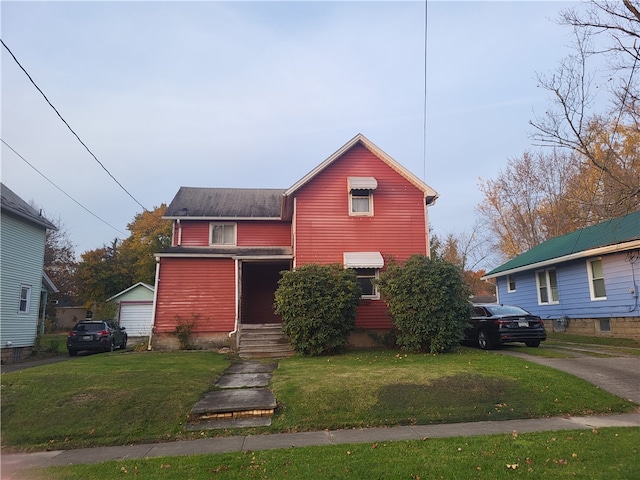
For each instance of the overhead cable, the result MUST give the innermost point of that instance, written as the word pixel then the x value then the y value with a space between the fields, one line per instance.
pixel 51 182
pixel 69 127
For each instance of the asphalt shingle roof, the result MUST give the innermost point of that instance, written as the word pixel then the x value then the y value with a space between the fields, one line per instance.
pixel 612 232
pixel 226 203
pixel 12 203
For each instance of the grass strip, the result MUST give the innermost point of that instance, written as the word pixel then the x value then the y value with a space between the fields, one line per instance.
pixel 608 453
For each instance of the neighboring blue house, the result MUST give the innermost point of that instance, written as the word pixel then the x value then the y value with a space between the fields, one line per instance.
pixel 22 278
pixel 586 281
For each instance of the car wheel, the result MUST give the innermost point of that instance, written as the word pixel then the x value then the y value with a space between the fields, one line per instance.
pixel 532 343
pixel 73 353
pixel 484 342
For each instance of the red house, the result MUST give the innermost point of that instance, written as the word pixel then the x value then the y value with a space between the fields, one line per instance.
pixel 359 208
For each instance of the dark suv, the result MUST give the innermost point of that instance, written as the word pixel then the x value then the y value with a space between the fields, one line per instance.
pixel 494 324
pixel 96 335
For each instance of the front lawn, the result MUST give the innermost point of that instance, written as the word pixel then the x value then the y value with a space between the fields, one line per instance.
pixel 125 398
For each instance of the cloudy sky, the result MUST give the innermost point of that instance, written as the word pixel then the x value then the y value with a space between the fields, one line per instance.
pixel 256 94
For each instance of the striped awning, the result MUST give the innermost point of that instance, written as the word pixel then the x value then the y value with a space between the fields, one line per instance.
pixel 362 183
pixel 363 260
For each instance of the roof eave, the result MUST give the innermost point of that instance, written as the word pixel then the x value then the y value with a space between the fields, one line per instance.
pixel 618 247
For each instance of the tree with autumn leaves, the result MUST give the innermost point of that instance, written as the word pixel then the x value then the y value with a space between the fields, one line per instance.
pixel 108 270
pixel 590 171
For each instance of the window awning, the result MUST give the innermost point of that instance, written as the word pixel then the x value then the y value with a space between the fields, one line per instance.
pixel 362 183
pixel 363 260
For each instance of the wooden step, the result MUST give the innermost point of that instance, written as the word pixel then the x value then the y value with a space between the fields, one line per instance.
pixel 263 341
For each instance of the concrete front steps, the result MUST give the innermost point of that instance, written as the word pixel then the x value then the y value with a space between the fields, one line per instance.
pixel 263 341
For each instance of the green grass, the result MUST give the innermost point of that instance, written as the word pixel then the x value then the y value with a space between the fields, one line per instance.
pixel 555 337
pixel 607 454
pixel 105 399
pixel 128 398
pixel 381 388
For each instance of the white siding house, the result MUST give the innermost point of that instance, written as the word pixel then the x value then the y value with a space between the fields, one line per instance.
pixel 22 241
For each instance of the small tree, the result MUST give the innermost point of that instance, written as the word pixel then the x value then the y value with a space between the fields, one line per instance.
pixel 428 301
pixel 318 307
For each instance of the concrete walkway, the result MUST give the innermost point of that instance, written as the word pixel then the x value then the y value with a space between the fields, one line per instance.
pixel 13 464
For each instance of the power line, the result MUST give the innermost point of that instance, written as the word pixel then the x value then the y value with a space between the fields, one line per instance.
pixel 69 127
pixel 47 179
pixel 424 126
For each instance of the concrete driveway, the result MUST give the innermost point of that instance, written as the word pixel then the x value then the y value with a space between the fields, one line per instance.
pixel 619 375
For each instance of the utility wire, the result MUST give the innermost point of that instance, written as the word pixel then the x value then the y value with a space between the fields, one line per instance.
pixel 47 179
pixel 69 127
pixel 424 126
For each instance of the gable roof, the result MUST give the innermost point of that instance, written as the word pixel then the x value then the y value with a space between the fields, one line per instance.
pixel 139 284
pixel 618 234
pixel 225 203
pixel 430 194
pixel 13 204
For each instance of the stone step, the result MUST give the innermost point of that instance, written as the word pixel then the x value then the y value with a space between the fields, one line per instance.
pixel 263 341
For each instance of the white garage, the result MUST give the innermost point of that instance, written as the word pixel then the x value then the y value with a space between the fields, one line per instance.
pixel 135 309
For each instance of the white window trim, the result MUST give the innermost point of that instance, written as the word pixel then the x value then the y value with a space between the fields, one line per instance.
pixel 28 300
pixel 361 214
pixel 235 234
pixel 376 292
pixel 509 289
pixel 592 292
pixel 548 287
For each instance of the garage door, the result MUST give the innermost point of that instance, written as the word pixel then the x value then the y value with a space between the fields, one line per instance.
pixel 136 318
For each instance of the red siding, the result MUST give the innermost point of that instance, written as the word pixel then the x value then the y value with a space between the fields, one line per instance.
pixel 204 287
pixel 264 234
pixel 324 228
pixel 195 233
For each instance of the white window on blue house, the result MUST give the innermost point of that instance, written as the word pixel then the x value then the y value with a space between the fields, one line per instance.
pixel 596 279
pixel 511 283
pixel 223 233
pixel 25 299
pixel 547 283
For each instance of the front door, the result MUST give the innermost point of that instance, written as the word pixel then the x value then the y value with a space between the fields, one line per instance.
pixel 259 284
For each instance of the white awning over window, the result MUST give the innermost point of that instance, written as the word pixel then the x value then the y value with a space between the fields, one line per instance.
pixel 362 183
pixel 363 260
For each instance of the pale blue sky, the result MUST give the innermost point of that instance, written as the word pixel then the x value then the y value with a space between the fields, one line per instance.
pixel 256 94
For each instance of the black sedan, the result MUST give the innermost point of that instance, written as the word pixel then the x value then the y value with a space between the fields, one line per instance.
pixel 494 324
pixel 96 335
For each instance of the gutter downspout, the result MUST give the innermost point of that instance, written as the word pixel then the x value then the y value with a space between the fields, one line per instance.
pixel 155 302
pixel 235 326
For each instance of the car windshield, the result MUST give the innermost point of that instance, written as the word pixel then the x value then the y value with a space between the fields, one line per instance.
pixel 500 310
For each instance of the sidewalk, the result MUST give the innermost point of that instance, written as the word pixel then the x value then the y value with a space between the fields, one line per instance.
pixel 13 463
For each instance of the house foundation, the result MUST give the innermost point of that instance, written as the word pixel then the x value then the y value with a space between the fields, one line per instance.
pixel 615 327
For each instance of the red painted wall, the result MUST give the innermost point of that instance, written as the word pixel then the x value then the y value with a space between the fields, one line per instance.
pixel 195 233
pixel 324 228
pixel 204 287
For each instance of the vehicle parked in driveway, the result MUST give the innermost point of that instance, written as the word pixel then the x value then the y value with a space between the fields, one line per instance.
pixel 96 335
pixel 494 324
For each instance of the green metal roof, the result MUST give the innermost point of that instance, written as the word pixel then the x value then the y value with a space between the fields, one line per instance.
pixel 612 232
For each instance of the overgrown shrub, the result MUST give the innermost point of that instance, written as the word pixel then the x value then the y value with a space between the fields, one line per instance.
pixel 183 331
pixel 428 302
pixel 318 307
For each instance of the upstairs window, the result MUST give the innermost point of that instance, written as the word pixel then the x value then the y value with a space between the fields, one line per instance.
pixel 547 283
pixel 511 283
pixel 223 233
pixel 361 195
pixel 596 280
pixel 25 299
